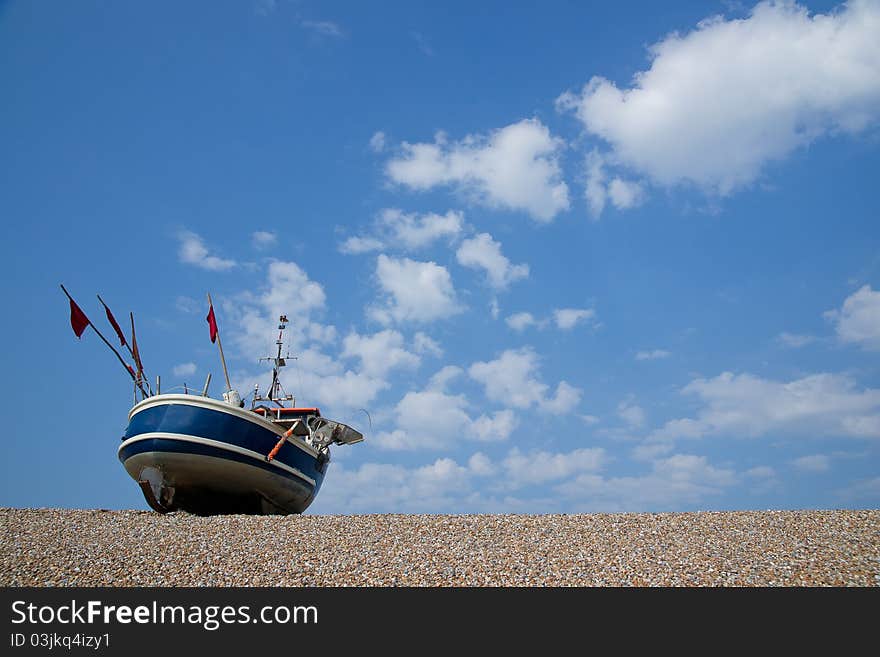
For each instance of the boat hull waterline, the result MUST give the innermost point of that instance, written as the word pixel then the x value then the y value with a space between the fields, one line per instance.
pixel 203 456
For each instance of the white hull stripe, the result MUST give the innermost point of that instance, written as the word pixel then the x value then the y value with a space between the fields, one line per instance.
pixel 213 405
pixel 218 444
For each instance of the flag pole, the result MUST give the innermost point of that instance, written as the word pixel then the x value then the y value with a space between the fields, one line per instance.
pixel 220 347
pixel 112 348
pixel 122 339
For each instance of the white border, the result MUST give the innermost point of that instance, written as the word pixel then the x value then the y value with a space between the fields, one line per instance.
pixel 215 443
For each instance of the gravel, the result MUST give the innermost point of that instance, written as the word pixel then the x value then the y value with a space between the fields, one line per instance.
pixel 68 547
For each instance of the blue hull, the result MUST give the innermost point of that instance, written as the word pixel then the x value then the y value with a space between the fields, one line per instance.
pixel 205 457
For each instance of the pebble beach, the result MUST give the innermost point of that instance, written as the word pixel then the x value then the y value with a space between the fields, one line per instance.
pixel 70 547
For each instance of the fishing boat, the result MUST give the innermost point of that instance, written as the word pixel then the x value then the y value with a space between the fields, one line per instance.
pixel 191 452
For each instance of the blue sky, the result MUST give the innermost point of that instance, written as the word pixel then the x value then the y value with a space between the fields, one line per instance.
pixel 570 258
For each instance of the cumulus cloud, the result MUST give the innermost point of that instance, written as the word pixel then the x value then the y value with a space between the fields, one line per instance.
pixel 680 479
pixel 598 190
pixel 382 488
pixel 567 318
pixel 407 231
pixel 859 491
pixel 442 378
pixel 424 344
pixel 721 101
pixel 184 369
pixel 416 291
pixel 748 406
pixel 521 321
pixel 356 245
pixel 812 463
pixel 482 252
pixel 379 353
pixel 194 252
pixel 377 142
pixel 511 380
pixel 263 239
pixel 538 467
pixel 515 167
pixel 574 478
pixel 435 419
pixel 632 414
pixel 414 231
pixel 251 319
pixel 858 321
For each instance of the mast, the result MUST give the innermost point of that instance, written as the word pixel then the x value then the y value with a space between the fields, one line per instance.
pixel 275 389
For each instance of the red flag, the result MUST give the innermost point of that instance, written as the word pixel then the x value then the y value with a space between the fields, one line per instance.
pixel 134 350
pixel 113 322
pixel 78 319
pixel 212 323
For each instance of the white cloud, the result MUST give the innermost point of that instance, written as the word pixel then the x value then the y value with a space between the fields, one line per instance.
pixel 494 308
pixel 594 190
pixel 291 291
pixel 520 321
pixel 435 419
pixel 794 340
pixel 654 354
pixel 481 465
pixel 377 142
pixel 379 353
pixel 383 488
pixel 263 239
pixel 424 344
pixel 341 391
pixel 537 467
pixel 408 231
pixel 812 463
pixel 681 479
pixel 567 397
pixel 252 320
pixel 567 318
pixel 760 472
pixel 442 378
pixel 623 194
pixel 720 102
pixel 194 252
pixel 482 252
pixel 866 489
pixel 494 428
pixel 417 291
pixel 412 231
pixel 632 414
pixel 748 406
pixel 356 245
pixel 858 321
pixel 515 167
pixel 184 369
pixel 511 380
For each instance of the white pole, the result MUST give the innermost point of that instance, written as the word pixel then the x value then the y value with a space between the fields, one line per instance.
pixel 220 347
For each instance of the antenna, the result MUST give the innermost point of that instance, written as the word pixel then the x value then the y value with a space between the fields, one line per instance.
pixel 276 390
